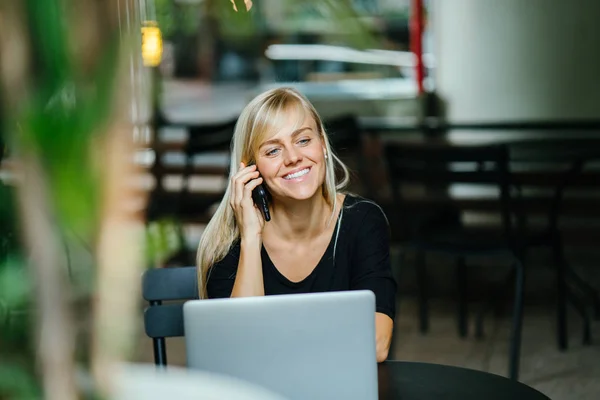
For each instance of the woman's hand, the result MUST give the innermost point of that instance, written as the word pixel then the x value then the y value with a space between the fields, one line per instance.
pixel 248 216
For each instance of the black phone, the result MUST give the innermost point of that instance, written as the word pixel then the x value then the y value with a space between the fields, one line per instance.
pixel 261 199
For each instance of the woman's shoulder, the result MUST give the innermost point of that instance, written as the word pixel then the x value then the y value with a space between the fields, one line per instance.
pixel 360 204
pixel 358 207
pixel 230 261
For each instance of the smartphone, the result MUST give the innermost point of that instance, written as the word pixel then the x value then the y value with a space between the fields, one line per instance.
pixel 261 199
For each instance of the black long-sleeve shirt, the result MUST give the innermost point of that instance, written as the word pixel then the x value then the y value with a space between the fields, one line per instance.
pixel 358 257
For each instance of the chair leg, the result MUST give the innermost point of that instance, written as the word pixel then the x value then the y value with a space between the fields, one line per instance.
pixel 159 345
pixel 561 303
pixel 517 322
pixel 461 277
pixel 580 307
pixel 490 304
pixel 397 267
pixel 421 273
pixel 589 291
pixel 479 320
pixel 497 297
pixel 160 352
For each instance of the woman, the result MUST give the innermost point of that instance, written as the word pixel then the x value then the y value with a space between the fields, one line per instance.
pixel 318 238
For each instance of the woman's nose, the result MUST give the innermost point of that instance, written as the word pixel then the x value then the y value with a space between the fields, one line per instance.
pixel 292 156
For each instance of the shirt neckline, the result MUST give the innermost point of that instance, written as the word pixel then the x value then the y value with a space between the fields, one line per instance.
pixel 324 257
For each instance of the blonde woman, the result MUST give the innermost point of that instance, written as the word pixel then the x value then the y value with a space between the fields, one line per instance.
pixel 318 238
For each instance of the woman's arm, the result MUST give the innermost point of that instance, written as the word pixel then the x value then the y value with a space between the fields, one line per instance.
pixel 371 270
pixel 384 327
pixel 249 277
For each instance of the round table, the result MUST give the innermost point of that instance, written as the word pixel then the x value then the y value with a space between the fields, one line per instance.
pixel 421 381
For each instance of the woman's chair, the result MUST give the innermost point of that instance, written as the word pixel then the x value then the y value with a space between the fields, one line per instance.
pixel 434 226
pixel 162 321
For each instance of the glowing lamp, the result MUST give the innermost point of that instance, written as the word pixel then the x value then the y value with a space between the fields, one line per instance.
pixel 152 44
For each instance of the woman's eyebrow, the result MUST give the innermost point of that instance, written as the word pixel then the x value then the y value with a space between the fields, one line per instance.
pixel 295 133
pixel 300 130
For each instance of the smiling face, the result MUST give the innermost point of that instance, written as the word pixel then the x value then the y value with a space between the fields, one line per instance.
pixel 292 159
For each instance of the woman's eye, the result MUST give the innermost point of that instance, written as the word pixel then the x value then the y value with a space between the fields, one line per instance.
pixel 271 152
pixel 304 141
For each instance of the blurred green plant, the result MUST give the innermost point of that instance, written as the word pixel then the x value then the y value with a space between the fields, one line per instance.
pixel 164 239
pixel 56 109
pixel 310 16
pixel 196 27
pixel 176 20
pixel 57 102
pixel 67 109
pixel 338 17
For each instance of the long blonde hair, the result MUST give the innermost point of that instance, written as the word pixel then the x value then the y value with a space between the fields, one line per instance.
pixel 260 119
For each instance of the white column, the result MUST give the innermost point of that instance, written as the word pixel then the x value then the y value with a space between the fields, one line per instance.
pixel 512 60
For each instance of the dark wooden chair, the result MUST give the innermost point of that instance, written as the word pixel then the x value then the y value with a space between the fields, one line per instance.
pixel 162 321
pixel 557 167
pixel 185 205
pixel 347 140
pixel 431 225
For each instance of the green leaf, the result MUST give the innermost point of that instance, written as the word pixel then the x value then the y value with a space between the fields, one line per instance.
pixel 164 238
pixel 60 130
pixel 48 29
pixel 15 288
pixel 17 383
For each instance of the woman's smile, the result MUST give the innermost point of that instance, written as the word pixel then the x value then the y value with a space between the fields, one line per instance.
pixel 298 175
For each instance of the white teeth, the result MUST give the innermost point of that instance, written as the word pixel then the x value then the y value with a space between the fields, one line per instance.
pixel 297 174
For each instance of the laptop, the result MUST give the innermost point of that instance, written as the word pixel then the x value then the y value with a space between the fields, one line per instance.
pixel 303 346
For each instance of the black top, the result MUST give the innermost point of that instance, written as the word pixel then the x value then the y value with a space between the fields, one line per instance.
pixel 411 380
pixel 358 257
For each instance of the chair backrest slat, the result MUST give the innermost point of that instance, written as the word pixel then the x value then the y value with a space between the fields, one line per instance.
pixel 346 137
pixel 202 139
pixel 344 132
pixel 436 168
pixel 415 174
pixel 164 321
pixel 447 164
pixel 177 283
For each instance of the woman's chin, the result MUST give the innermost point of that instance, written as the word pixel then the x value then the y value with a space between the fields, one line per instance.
pixel 298 195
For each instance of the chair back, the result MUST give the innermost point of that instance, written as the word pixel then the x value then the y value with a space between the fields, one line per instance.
pixel 166 320
pixel 179 159
pixel 344 132
pixel 346 139
pixel 439 169
pixel 558 179
pixel 204 138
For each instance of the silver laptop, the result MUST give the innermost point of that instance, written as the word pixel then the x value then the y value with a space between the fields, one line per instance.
pixel 303 346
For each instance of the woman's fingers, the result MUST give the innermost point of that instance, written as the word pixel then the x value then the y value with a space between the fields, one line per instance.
pixel 240 179
pixel 242 183
pixel 234 185
pixel 250 186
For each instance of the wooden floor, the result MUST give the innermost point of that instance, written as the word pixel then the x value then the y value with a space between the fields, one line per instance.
pixel 573 374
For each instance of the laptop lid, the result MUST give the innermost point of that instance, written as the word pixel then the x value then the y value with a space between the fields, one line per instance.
pixel 303 346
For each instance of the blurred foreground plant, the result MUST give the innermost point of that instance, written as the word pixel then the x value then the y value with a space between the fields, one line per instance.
pixel 66 92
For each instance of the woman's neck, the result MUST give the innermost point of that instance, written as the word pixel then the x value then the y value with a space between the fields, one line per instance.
pixel 299 220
